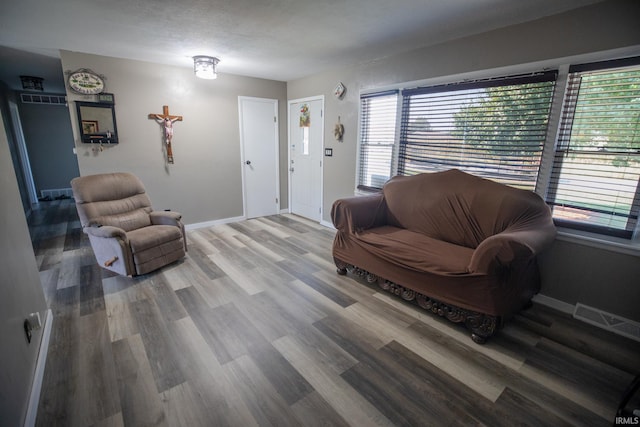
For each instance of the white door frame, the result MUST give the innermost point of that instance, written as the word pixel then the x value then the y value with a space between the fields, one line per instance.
pixel 289 118
pixel 23 154
pixel 242 151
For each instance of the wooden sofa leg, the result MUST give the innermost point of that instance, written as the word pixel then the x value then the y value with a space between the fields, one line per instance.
pixel 478 339
pixel 482 326
pixel 341 267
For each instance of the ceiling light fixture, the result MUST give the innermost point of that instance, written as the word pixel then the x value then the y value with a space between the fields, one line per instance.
pixel 32 83
pixel 205 66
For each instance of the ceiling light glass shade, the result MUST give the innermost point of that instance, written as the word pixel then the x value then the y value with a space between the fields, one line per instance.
pixel 205 66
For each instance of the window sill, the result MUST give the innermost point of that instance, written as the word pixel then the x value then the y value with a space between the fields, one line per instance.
pixel 365 191
pixel 613 244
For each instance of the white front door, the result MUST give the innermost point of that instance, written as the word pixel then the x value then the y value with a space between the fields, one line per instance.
pixel 259 142
pixel 306 124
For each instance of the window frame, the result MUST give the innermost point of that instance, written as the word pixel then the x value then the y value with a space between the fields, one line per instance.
pixel 530 147
pixel 590 238
pixel 561 149
pixel 360 186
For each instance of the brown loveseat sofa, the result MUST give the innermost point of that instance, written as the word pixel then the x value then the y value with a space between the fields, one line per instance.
pixel 461 246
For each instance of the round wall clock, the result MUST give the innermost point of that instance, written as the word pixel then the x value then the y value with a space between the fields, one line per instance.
pixel 86 82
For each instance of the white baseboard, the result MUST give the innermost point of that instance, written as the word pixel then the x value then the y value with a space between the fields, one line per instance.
pixel 36 386
pixel 285 211
pixel 327 224
pixel 554 303
pixel 205 224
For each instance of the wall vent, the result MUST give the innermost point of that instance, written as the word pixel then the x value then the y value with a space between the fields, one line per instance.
pixel 610 322
pixel 32 98
pixel 56 194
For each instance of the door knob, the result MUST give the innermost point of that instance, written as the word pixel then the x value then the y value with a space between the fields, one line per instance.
pixel 248 162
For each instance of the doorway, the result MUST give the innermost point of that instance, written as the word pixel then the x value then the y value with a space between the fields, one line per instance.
pixel 306 142
pixel 259 156
pixel 23 154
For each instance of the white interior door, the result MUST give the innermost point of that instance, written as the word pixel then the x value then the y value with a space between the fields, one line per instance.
pixel 306 124
pixel 259 141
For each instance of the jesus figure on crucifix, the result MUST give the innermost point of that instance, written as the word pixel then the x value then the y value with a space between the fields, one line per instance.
pixel 168 126
pixel 167 121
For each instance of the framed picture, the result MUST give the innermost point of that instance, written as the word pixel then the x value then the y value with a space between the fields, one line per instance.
pixel 89 126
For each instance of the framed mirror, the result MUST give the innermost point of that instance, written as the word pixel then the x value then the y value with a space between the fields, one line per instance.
pixel 97 122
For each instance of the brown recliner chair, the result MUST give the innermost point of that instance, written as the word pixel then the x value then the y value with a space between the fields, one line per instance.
pixel 126 234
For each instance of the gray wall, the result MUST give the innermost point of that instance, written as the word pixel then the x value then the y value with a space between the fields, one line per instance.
pixel 205 182
pixel 573 272
pixel 20 295
pixel 577 35
pixel 49 139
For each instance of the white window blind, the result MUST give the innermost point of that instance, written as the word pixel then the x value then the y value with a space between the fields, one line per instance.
pixel 491 128
pixel 377 138
pixel 595 178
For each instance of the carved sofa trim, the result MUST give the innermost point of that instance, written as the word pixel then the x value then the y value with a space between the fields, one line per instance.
pixel 482 326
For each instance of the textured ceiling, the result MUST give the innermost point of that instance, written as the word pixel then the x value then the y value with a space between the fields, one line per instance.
pixel 272 39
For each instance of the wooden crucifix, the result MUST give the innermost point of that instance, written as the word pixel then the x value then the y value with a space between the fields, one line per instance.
pixel 167 120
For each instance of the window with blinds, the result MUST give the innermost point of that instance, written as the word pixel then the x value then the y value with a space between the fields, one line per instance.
pixel 595 178
pixel 491 128
pixel 378 113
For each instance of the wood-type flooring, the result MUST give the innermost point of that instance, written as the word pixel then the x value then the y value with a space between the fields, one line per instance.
pixel 255 328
